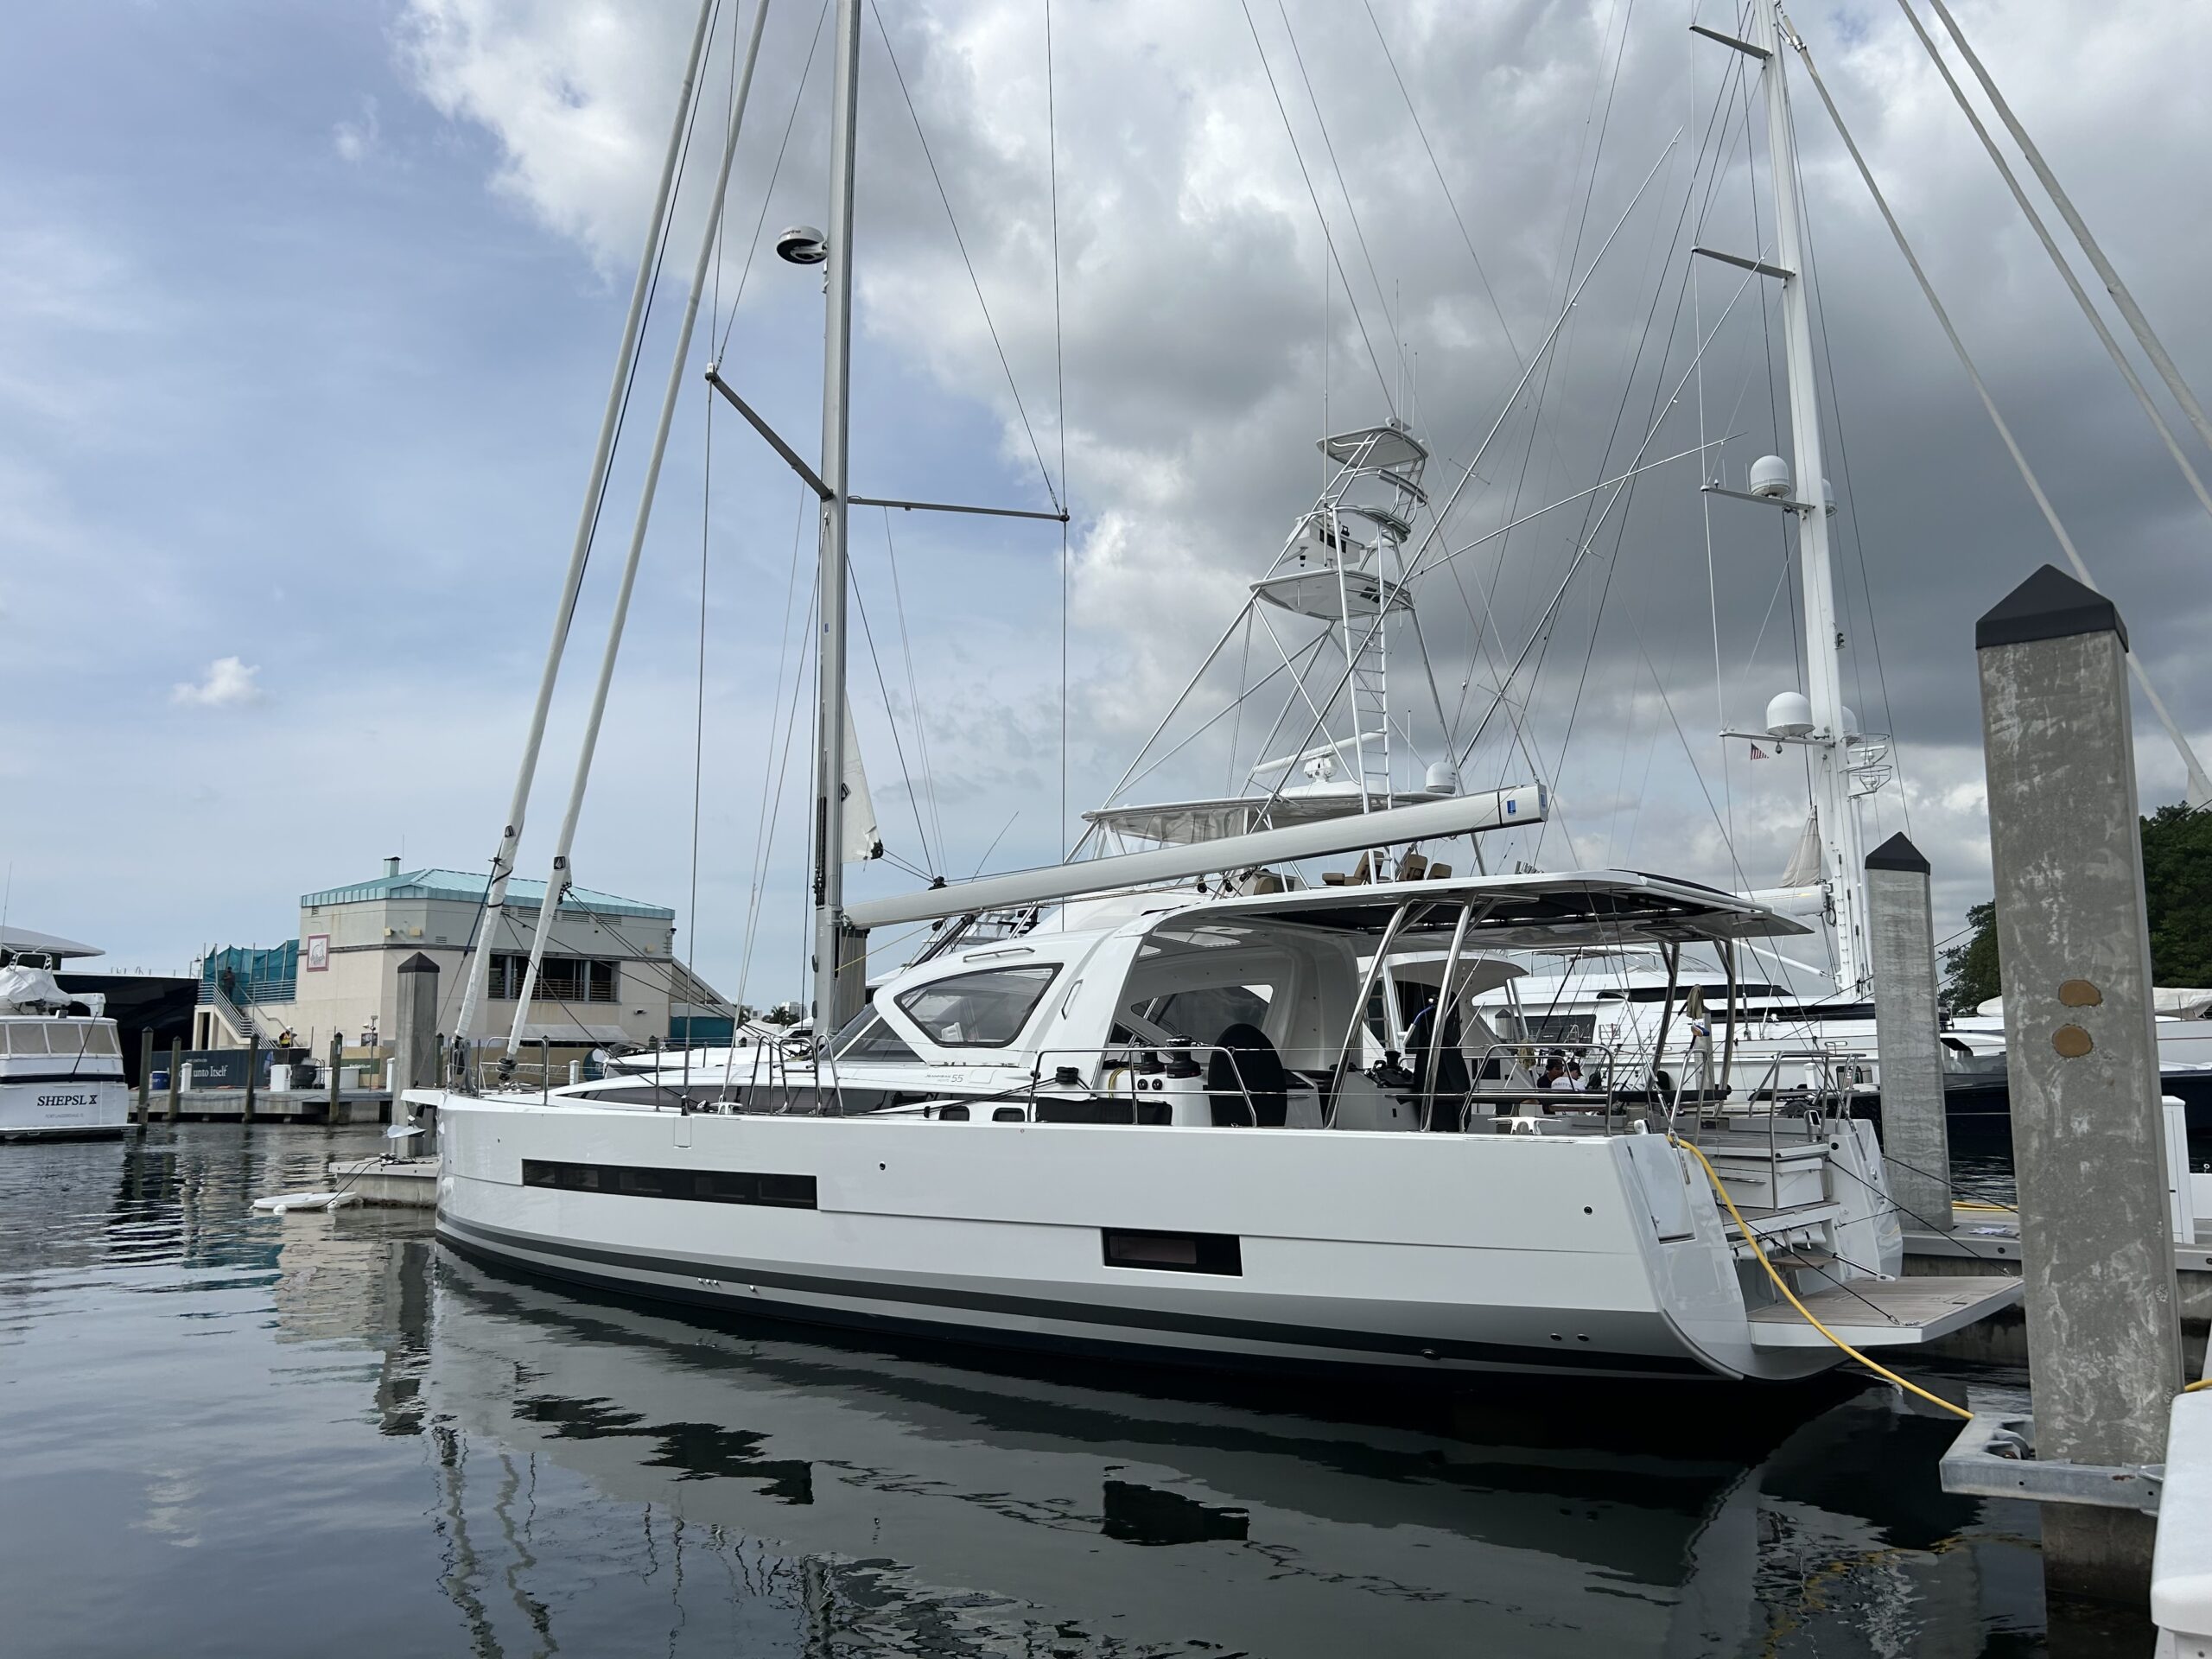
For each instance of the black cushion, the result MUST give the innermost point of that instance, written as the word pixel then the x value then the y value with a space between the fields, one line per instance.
pixel 1245 1063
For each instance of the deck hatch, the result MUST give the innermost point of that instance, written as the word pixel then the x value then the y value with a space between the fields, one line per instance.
pixel 693 1186
pixel 1130 1247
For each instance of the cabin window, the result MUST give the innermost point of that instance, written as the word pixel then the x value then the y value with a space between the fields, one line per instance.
pixel 25 1038
pixel 1128 1246
pixel 1202 1014
pixel 985 1010
pixel 1550 1027
pixel 697 1185
pixel 866 1037
pixel 100 1039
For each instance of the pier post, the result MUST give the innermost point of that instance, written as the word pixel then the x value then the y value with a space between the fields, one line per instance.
pixel 1915 1143
pixel 176 1074
pixel 253 1072
pixel 415 1056
pixel 330 1078
pixel 145 1076
pixel 2104 1344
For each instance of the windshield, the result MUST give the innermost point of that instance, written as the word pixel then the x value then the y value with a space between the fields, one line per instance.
pixel 982 1010
pixel 866 1037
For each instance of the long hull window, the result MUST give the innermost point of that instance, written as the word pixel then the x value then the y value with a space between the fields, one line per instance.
pixel 694 1186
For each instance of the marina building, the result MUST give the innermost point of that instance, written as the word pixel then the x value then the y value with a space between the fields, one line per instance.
pixel 610 974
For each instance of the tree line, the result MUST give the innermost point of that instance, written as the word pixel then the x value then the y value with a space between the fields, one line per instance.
pixel 2178 892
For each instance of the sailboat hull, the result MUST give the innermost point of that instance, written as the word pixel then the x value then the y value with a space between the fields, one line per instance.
pixel 1280 1250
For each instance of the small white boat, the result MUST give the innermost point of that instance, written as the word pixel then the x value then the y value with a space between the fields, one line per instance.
pixel 60 1062
pixel 283 1204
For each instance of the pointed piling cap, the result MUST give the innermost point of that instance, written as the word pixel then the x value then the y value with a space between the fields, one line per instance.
pixel 2048 605
pixel 418 963
pixel 1898 853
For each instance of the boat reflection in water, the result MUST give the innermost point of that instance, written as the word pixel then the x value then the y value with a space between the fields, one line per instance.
pixel 607 1477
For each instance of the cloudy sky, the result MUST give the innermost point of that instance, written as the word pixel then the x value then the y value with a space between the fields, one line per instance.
pixel 308 314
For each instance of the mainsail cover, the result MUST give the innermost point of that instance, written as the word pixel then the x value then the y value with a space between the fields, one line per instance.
pixel 862 842
pixel 1805 863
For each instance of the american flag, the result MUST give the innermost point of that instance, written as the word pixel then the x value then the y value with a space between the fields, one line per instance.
pixel 1758 753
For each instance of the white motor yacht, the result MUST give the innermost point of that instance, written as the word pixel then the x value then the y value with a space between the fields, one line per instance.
pixel 61 1063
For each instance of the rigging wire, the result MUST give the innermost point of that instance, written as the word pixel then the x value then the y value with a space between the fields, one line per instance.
pixel 699 706
pixel 1059 398
pixel 776 769
pixel 1489 293
pixel 1297 155
pixel 2199 786
pixel 960 242
pixel 913 796
pixel 767 195
pixel 1818 310
pixel 913 689
pixel 458 985
pixel 1344 189
pixel 1566 278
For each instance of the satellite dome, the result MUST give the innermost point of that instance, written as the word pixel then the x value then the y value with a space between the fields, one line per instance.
pixel 1770 477
pixel 1789 714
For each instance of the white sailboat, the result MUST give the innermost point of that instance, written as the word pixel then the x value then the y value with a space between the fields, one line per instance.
pixel 1157 1131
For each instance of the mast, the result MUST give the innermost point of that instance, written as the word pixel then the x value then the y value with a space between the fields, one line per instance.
pixel 830 656
pixel 1829 745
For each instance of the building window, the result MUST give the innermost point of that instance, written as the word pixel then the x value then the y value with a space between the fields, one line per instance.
pixel 559 979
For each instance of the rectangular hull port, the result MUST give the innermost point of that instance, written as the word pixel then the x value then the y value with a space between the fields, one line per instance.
pixel 1892 1313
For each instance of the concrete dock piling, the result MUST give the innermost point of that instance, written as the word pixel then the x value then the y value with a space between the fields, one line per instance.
pixel 176 1074
pixel 1915 1143
pixel 415 1055
pixel 2104 1346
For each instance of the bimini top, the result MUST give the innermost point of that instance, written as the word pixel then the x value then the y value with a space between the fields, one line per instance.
pixel 1511 912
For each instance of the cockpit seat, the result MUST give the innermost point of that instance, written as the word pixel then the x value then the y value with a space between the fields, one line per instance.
pixel 1439 1069
pixel 1244 1062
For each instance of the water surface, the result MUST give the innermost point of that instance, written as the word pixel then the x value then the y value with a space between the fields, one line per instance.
pixel 226 1434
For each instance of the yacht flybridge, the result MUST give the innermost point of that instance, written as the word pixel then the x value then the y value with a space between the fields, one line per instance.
pixel 1023 1143
pixel 1220 1111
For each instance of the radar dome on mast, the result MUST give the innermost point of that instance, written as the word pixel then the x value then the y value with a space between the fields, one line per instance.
pixel 1770 477
pixel 1789 714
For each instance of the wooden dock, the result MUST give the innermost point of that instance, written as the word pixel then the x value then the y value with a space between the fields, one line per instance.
pixel 269 1106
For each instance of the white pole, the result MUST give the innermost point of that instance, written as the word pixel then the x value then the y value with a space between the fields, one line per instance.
pixel 557 883
pixel 1844 861
pixel 2136 320
pixel 503 860
pixel 830 656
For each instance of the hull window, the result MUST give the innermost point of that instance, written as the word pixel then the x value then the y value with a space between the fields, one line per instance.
pixel 1222 1253
pixel 694 1186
